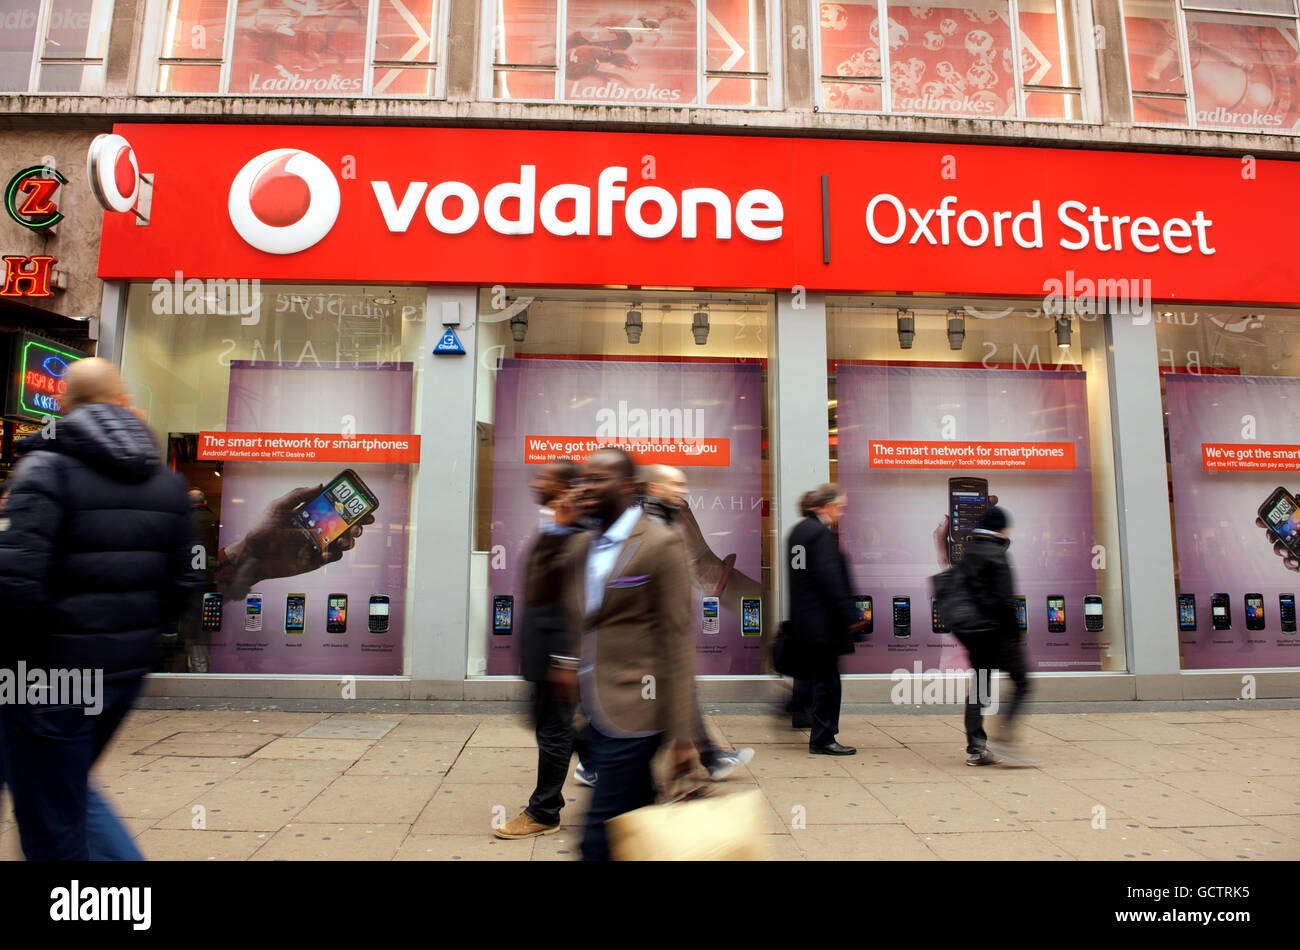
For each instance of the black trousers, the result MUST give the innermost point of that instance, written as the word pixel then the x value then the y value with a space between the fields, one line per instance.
pixel 1006 654
pixel 825 692
pixel 556 741
pixel 624 783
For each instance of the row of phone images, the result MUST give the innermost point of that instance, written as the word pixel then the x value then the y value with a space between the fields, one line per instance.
pixel 751 615
pixel 1221 612
pixel 295 613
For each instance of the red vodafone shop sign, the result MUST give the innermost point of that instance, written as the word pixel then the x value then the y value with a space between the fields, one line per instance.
pixel 464 206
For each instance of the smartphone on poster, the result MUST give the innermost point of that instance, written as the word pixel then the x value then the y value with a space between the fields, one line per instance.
pixel 336 617
pixel 503 615
pixel 253 612
pixel 378 618
pixel 862 604
pixel 1281 516
pixel 1255 612
pixel 1022 613
pixel 902 617
pixel 968 499
pixel 1221 611
pixel 1187 613
pixel 1094 621
pixel 712 619
pixel 751 617
pixel 936 622
pixel 295 613
pixel 211 618
pixel 339 506
pixel 1055 613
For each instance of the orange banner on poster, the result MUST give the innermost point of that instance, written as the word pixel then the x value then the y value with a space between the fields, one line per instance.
pixel 540 449
pixel 307 447
pixel 1022 455
pixel 1249 457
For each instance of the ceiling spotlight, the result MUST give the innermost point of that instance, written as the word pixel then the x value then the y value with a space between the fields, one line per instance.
pixel 700 327
pixel 519 326
pixel 1063 332
pixel 633 325
pixel 956 330
pixel 906 329
pixel 385 298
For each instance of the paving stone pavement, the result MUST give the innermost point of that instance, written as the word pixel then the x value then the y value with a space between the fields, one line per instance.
pixel 225 784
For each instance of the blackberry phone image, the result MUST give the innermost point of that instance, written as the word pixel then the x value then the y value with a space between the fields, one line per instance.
pixel 1286 610
pixel 295 613
pixel 336 616
pixel 1281 516
pixel 1022 613
pixel 1055 613
pixel 211 618
pixel 503 615
pixel 712 620
pixel 253 612
pixel 1221 611
pixel 936 622
pixel 1255 612
pixel 1093 619
pixel 902 617
pixel 378 616
pixel 1187 612
pixel 862 604
pixel 751 617
pixel 343 502
pixel 968 499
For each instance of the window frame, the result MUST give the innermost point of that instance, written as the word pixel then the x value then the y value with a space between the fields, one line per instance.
pixel 1086 69
pixel 1188 98
pixel 774 77
pixel 40 60
pixel 155 32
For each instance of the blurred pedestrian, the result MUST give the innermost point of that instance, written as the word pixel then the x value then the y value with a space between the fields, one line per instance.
pixel 625 586
pixel 822 616
pixel 986 587
pixel 544 631
pixel 665 501
pixel 94 563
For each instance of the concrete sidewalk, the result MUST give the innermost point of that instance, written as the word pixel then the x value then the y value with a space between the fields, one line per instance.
pixel 266 785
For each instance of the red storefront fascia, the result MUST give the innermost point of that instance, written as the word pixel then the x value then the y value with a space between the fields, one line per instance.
pixel 464 206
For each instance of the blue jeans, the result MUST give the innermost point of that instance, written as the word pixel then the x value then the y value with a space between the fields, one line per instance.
pixel 50 751
pixel 624 783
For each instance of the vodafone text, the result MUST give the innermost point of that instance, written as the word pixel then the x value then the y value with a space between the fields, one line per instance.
pixel 565 209
pixel 888 221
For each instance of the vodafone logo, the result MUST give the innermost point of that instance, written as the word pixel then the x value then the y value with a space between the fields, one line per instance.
pixel 284 201
pixel 113 172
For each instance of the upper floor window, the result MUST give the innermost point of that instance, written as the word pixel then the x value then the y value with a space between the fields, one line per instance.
pixel 963 58
pixel 1242 57
pixel 631 52
pixel 53 45
pixel 300 47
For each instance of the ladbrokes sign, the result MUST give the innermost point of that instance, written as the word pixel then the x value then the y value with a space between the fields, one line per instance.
pixel 589 208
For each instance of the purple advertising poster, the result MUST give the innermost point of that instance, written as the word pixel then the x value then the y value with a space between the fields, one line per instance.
pixel 702 417
pixel 918 444
pixel 346 616
pixel 1235 461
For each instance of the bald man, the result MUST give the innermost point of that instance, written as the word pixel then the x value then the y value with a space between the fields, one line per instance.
pixel 96 542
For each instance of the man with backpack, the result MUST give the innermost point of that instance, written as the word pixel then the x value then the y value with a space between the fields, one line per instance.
pixel 977 601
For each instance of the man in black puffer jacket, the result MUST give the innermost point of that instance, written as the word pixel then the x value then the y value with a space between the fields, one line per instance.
pixel 96 545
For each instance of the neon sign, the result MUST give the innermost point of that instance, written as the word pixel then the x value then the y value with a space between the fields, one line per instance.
pixel 42 368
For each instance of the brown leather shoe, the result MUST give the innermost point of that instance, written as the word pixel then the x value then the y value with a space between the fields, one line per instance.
pixel 523 826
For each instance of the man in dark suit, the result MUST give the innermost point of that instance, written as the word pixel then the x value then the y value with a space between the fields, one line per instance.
pixel 822 616
pixel 544 631
pixel 625 587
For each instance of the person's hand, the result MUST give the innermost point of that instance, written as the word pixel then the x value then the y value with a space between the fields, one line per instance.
pixel 1288 557
pixel 276 547
pixel 563 683
pixel 941 543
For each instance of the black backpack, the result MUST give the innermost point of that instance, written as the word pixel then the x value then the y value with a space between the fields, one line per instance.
pixel 958 607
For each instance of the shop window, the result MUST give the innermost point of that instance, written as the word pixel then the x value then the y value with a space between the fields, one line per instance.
pixel 936 412
pixel 329 48
pixel 963 59
pixel 54 45
pixel 676 380
pixel 289 410
pixel 709 53
pixel 1230 378
pixel 1241 57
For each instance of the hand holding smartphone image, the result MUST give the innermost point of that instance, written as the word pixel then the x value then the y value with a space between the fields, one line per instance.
pixel 1279 516
pixel 287 539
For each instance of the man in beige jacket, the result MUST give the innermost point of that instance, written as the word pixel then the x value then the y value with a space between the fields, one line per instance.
pixel 625 586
